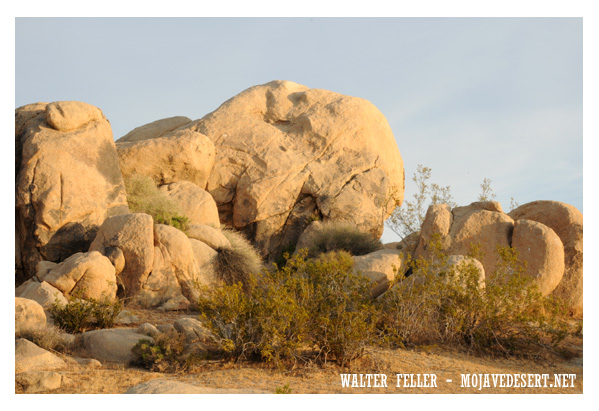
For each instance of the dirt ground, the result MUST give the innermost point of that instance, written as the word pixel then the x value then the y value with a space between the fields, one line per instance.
pixel 444 362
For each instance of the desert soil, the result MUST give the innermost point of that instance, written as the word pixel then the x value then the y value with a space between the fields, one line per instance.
pixel 445 362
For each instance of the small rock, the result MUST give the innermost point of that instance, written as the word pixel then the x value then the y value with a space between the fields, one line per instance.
pixel 193 329
pixel 113 345
pixel 29 314
pixel 126 317
pixel 30 357
pixel 148 329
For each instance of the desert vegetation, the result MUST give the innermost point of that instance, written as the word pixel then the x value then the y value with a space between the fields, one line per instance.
pixel 144 197
pixel 318 310
pixel 79 315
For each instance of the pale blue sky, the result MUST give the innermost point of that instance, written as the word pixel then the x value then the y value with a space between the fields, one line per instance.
pixel 471 98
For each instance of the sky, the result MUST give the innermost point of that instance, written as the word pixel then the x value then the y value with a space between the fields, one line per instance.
pixel 471 98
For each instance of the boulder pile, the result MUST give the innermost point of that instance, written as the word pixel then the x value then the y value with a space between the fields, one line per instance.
pixel 546 234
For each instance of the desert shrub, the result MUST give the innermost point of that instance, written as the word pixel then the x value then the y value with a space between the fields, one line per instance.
pixel 342 236
pixel 408 218
pixel 144 197
pixel 447 305
pixel 238 263
pixel 162 354
pixel 307 309
pixel 79 315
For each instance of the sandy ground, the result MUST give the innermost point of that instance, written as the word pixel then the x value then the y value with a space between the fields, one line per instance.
pixel 445 363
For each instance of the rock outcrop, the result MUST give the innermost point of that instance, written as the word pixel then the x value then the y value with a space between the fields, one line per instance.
pixel 546 234
pixel 566 221
pixel 67 181
pixel 286 152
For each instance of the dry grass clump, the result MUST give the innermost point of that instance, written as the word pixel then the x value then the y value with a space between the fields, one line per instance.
pixel 49 338
pixel 238 263
pixel 144 197
pixel 342 236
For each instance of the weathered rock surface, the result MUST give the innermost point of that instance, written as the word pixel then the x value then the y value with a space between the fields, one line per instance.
pixel 29 315
pixel 30 357
pixel 71 115
pixel 178 156
pixel 380 267
pixel 67 180
pixel 90 274
pixel 155 129
pixel 174 272
pixel 133 234
pixel 176 387
pixel 196 203
pixel 543 251
pixel 41 292
pixel 208 235
pixel 113 345
pixel 286 152
pixel 567 222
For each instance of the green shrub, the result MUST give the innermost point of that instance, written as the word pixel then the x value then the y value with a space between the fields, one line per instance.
pixel 306 310
pixel 342 236
pixel 79 315
pixel 144 197
pixel 440 304
pixel 163 354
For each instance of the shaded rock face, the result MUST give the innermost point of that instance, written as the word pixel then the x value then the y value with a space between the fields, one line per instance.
pixel 484 224
pixel 67 181
pixel 567 222
pixel 286 152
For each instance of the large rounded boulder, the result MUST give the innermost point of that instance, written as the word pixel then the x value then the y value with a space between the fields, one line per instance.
pixel 285 152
